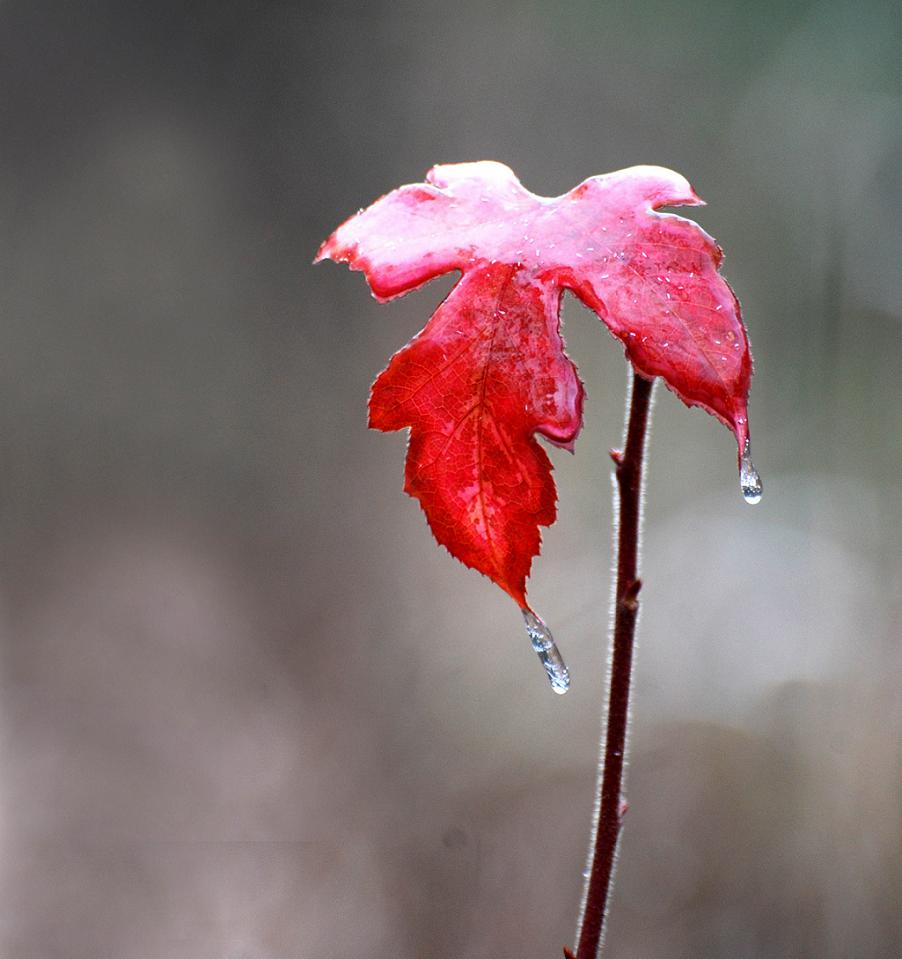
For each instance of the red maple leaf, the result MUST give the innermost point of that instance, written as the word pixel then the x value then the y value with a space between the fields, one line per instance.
pixel 489 370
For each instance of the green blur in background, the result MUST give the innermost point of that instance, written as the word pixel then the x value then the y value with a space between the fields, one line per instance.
pixel 248 710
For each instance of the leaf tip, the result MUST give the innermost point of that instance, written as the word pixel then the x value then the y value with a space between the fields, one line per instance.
pixel 323 253
pixel 663 186
pixel 487 173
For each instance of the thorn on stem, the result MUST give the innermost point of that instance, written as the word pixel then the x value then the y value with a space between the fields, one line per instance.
pixel 624 809
pixel 568 954
pixel 630 598
pixel 616 456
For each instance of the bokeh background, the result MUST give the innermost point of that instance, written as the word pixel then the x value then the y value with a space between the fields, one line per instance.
pixel 248 710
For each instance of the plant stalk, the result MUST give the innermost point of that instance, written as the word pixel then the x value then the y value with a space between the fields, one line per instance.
pixel 611 805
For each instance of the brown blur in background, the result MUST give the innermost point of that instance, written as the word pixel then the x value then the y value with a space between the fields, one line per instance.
pixel 248 710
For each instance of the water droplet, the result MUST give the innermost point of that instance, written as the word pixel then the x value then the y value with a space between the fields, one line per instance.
pixel 549 655
pixel 749 480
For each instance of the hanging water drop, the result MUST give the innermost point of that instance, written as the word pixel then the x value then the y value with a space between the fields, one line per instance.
pixel 749 480
pixel 549 655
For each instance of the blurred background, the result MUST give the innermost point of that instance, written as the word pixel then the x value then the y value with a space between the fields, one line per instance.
pixel 248 710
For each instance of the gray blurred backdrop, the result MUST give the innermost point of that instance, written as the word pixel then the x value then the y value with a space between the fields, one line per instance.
pixel 248 710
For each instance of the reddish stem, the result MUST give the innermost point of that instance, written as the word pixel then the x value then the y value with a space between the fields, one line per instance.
pixel 628 471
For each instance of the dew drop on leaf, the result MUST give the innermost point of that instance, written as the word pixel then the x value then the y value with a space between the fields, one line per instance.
pixel 549 655
pixel 749 480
